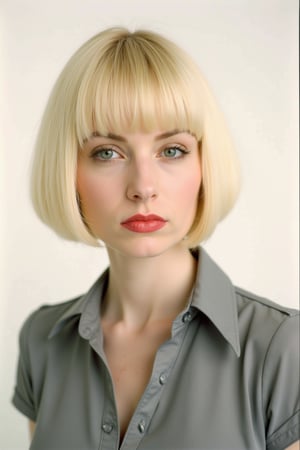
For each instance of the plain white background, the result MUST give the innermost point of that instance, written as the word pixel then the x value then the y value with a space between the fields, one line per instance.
pixel 248 52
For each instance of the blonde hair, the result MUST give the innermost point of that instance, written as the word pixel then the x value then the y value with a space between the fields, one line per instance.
pixel 137 81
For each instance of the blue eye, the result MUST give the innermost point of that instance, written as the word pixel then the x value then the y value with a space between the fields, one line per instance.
pixel 174 152
pixel 105 154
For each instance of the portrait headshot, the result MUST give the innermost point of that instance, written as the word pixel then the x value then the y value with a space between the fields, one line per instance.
pixel 149 270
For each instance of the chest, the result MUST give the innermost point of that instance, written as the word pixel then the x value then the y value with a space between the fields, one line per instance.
pixel 130 359
pixel 208 398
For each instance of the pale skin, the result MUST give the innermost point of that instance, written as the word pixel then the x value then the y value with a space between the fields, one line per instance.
pixel 140 173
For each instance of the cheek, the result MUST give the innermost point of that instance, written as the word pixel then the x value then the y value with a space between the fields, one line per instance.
pixel 93 191
pixel 190 188
pixel 87 187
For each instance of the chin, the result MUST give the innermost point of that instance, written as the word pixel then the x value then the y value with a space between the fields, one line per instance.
pixel 144 247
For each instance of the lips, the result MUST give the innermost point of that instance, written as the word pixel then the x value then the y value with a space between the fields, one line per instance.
pixel 144 224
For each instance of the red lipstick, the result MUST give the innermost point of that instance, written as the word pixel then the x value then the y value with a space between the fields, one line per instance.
pixel 144 224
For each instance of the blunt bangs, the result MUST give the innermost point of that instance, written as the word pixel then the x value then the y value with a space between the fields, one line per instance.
pixel 137 86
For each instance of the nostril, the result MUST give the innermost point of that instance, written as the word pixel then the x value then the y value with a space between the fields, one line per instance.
pixel 143 195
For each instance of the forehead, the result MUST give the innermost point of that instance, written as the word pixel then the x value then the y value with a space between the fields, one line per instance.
pixel 117 121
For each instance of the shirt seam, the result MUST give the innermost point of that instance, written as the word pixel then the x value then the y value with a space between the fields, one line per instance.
pixel 285 311
pixel 263 370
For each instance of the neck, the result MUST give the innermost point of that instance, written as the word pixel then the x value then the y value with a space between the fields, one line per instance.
pixel 144 290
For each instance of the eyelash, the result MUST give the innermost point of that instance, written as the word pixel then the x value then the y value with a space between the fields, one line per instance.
pixel 177 148
pixel 96 153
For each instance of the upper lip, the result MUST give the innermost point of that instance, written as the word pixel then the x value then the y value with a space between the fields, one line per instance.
pixel 142 218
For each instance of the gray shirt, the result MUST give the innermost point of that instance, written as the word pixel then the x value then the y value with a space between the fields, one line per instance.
pixel 227 379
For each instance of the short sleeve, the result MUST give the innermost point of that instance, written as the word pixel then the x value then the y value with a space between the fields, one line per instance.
pixel 281 386
pixel 23 398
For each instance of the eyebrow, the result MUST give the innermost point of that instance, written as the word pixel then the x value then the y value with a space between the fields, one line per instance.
pixel 119 138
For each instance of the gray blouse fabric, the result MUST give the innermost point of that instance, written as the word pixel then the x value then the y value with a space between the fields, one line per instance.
pixel 227 379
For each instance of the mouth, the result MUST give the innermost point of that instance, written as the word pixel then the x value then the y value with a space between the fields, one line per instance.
pixel 144 224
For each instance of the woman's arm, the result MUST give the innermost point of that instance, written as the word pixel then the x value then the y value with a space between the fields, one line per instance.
pixel 32 427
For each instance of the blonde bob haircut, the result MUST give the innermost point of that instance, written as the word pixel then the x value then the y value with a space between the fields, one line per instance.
pixel 122 81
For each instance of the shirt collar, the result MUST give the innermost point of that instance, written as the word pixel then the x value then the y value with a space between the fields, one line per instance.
pixel 213 295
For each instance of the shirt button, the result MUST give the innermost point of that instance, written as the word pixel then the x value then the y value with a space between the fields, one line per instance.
pixel 142 426
pixel 162 378
pixel 187 317
pixel 107 428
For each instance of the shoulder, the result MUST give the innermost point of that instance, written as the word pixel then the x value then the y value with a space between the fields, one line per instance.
pixel 268 329
pixel 269 335
pixel 34 345
pixel 269 338
pixel 35 334
pixel 258 313
pixel 46 321
pixel 246 298
pixel 39 323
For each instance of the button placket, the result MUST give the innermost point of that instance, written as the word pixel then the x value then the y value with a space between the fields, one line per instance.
pixel 141 420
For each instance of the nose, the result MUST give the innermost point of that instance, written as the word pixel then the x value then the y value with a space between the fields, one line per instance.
pixel 142 182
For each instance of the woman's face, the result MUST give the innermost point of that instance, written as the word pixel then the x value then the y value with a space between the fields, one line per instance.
pixel 139 191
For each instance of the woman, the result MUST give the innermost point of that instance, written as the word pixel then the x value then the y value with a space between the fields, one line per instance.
pixel 163 352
